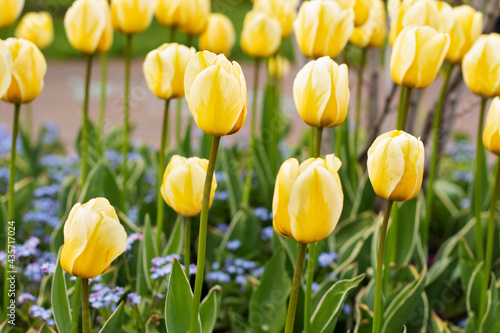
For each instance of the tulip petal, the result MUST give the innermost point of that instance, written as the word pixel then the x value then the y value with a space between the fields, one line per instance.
pixel 403 54
pixel 195 65
pixel 5 68
pixel 284 181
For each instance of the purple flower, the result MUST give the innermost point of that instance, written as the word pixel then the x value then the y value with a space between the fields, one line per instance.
pixel 133 298
pixel 39 312
pixel 48 268
pixel 132 238
pixel 25 298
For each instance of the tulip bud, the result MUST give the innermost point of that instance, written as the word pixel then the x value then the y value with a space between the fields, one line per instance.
pixel 374 31
pixel 37 28
pixel 196 19
pixel 396 165
pixel 323 28
pixel 132 16
pixel 361 10
pixel 321 93
pixel 164 69
pixel 481 66
pixel 172 13
pixel 283 10
pixel 417 55
pixel 28 70
pixel 308 199
pixel 491 134
pixel 183 183
pixel 466 30
pixel 5 68
pixel 11 9
pixel 278 67
pixel 89 34
pixel 93 238
pixel 219 35
pixel 261 35
pixel 216 93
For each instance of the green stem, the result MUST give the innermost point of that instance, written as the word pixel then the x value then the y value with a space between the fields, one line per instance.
pixel 77 294
pixel 359 94
pixel 172 34
pixel 435 146
pixel 248 180
pixel 404 105
pixel 187 244
pixel 85 306
pixel 377 311
pixel 339 140
pixel 160 207
pixel 126 126
pixel 477 183
pixel 311 141
pixel 202 241
pixel 102 109
pixel 294 294
pixel 309 282
pixel 317 141
pixel 86 121
pixel 178 125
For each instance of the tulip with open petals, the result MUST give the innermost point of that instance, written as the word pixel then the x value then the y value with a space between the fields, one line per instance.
pixel 5 68
pixel 466 30
pixel 491 134
pixel 10 11
pixel 219 36
pixel 261 35
pixel 37 28
pixel 132 16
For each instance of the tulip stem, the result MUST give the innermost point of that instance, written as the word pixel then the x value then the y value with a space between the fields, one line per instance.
pixel 126 125
pixel 377 311
pixel 359 94
pixel 178 125
pixel 248 180
pixel 85 129
pixel 404 105
pixel 338 141
pixel 294 294
pixel 310 278
pixel 161 169
pixel 202 240
pixel 102 109
pixel 317 141
pixel 435 146
pixel 187 244
pixel 77 294
pixel 85 306
pixel 489 246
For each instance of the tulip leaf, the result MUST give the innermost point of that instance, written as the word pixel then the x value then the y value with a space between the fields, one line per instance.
pixel 245 228
pixel 363 314
pixel 438 279
pixel 115 321
pixel 156 324
pixel 365 197
pixel 45 328
pixel 209 309
pixel 59 299
pixel 474 291
pixel 438 325
pixel 149 249
pixel 186 142
pixel 24 190
pixel 265 175
pixel 101 182
pixel 272 124
pixel 234 189
pixel 329 308
pixel 175 242
pixel 467 263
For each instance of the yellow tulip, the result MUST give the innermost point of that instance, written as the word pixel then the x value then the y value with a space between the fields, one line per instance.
pixel 196 18
pixel 28 71
pixel 37 28
pixel 172 13
pixel 481 66
pixel 93 238
pixel 11 9
pixel 219 36
pixel 216 93
pixel 321 93
pixel 261 35
pixel 491 134
pixel 5 68
pixel 308 199
pixel 374 31
pixel 164 69
pixel 132 16
pixel 283 10
pixel 90 34
pixel 396 165
pixel 466 30
pixel 278 67
pixel 417 55
pixel 183 182
pixel 361 10
pixel 323 28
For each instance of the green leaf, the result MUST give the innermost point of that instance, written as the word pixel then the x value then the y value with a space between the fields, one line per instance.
pixel 467 263
pixel 234 187
pixel 265 175
pixel 273 124
pixel 186 143
pixel 101 182
pixel 474 291
pixel 438 325
pixel 175 242
pixel 115 322
pixel 244 227
pixel 149 249
pixel 59 299
pixel 156 324
pixel 45 328
pixel 23 193
pixel 209 309
pixel 365 197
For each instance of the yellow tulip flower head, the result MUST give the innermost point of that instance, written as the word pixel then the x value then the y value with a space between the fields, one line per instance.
pixel 466 30
pixel 196 19
pixel 219 36
pixel 164 69
pixel 323 28
pixel 132 16
pixel 374 31
pixel 28 71
pixel 37 28
pixel 261 35
pixel 93 238
pixel 417 55
pixel 361 10
pixel 11 9
pixel 321 93
pixel 491 134
pixel 308 199
pixel 90 34
pixel 278 67
pixel 481 66
pixel 183 182
pixel 283 10
pixel 172 13
pixel 216 93
pixel 5 68
pixel 396 165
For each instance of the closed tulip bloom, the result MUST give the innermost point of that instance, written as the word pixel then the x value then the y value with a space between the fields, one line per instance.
pixel 164 69
pixel 93 238
pixel 261 35
pixel 308 199
pixel 219 36
pixel 28 71
pixel 216 93
pixel 323 28
pixel 466 30
pixel 89 34
pixel 5 68
pixel 321 93
pixel 278 67
pixel 172 13
pixel 11 9
pixel 396 165
pixel 183 182
pixel 361 10
pixel 491 134
pixel 417 55
pixel 196 18
pixel 283 10
pixel 132 16
pixel 374 31
pixel 37 28
pixel 481 66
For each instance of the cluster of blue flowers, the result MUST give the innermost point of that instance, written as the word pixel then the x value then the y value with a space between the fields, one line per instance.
pixel 234 269
pixel 6 141
pixel 105 297
pixel 162 266
pixel 39 312
pixel 325 259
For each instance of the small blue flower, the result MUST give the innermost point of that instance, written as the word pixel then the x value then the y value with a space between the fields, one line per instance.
pixel 39 312
pixel 218 276
pixel 314 286
pixel 25 298
pixel 267 233
pixel 233 245
pixel 223 227
pixel 263 214
pixel 133 298
pixel 48 268
pixel 132 238
pixel 327 258
pixel 347 309
pixel 221 195
pixel 241 280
